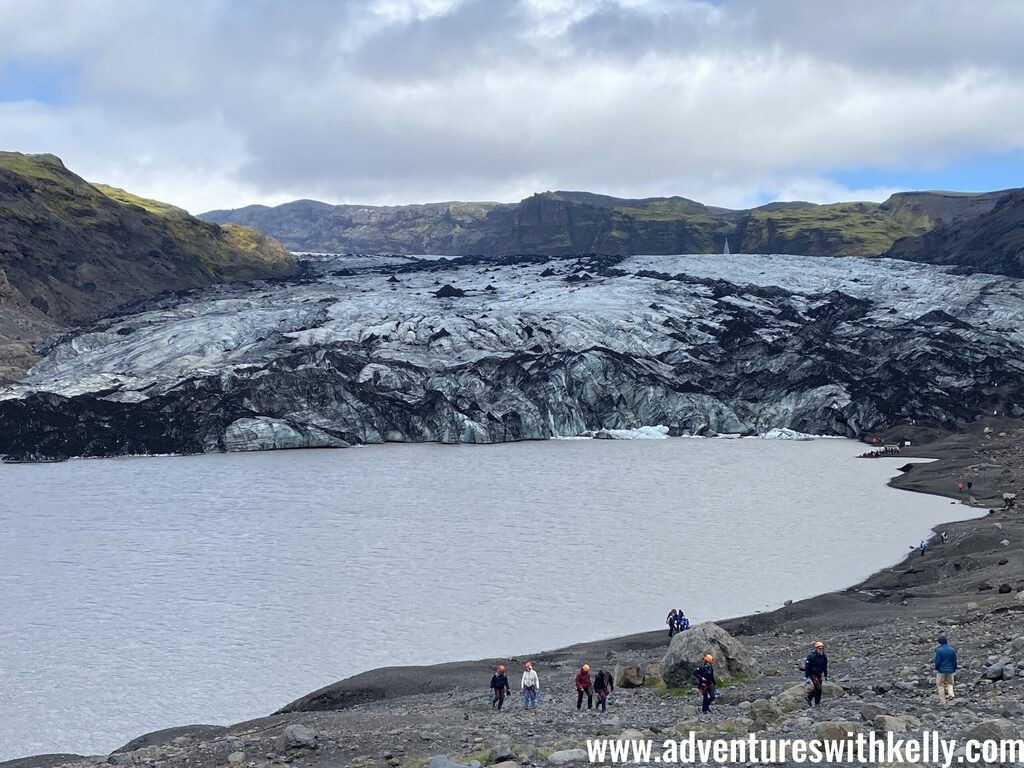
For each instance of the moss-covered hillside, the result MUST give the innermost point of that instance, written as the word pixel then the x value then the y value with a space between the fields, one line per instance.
pixel 71 251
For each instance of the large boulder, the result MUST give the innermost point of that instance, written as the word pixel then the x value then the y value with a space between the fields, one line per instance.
pixel 687 651
pixel 628 676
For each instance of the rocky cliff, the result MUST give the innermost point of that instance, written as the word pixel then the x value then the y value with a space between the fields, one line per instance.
pixel 992 240
pixel 71 252
pixel 572 223
pixel 372 349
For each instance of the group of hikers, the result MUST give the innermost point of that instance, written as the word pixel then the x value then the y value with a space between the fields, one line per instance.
pixel 677 621
pixel 878 453
pixel 600 686
pixel 815 669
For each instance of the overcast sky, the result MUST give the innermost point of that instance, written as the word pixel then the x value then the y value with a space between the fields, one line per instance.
pixel 221 103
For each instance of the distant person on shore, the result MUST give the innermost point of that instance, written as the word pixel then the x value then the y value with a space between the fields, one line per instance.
pixel 584 686
pixel 529 686
pixel 959 486
pixel 945 668
pixel 499 688
pixel 682 623
pixel 944 536
pixel 816 670
pixel 705 677
pixel 923 546
pixel 1009 500
pixel 603 687
pixel 672 622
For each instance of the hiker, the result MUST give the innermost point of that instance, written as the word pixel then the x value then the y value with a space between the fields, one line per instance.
pixel 529 686
pixel 705 677
pixel 584 686
pixel 602 687
pixel 816 670
pixel 671 621
pixel 959 486
pixel 923 545
pixel 682 622
pixel 499 688
pixel 944 536
pixel 945 668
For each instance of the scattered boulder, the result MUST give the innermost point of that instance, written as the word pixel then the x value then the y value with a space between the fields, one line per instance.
pixel 996 729
pixel 836 730
pixel 443 761
pixel 628 676
pixel 687 651
pixel 565 756
pixel 1005 589
pixel 890 724
pixel 870 712
pixel 993 671
pixel 794 697
pixel 299 737
pixel 500 754
pixel 765 711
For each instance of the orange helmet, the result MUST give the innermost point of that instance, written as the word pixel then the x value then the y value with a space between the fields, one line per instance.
pixel 586 667
pixel 709 659
pixel 819 644
pixel 529 665
pixel 501 667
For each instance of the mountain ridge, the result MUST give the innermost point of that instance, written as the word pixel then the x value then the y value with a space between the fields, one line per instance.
pixel 562 223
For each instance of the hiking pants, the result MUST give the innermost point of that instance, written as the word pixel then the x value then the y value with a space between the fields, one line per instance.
pixel 944 682
pixel 814 695
pixel 590 698
pixel 499 699
pixel 708 695
pixel 529 697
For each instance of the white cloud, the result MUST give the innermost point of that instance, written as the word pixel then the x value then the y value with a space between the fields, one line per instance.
pixel 215 103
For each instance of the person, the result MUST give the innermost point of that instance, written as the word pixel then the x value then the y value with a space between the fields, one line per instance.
pixel 682 621
pixel 705 676
pixel 584 686
pixel 1009 499
pixel 945 668
pixel 671 621
pixel 499 688
pixel 923 545
pixel 945 536
pixel 602 687
pixel 816 670
pixel 529 686
pixel 959 486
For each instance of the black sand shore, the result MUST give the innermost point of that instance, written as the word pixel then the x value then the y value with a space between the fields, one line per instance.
pixel 970 582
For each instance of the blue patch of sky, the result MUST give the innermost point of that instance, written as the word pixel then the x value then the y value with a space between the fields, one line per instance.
pixel 980 173
pixel 47 82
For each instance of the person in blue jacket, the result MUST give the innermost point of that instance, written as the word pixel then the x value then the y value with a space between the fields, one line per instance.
pixel 816 670
pixel 945 668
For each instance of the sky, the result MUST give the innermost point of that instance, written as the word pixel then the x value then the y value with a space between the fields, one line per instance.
pixel 223 103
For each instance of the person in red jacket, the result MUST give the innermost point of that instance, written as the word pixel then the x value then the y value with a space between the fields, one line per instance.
pixel 584 686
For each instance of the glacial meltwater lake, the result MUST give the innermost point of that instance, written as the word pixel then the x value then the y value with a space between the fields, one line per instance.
pixel 143 593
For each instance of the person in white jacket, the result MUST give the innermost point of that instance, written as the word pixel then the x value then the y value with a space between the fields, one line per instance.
pixel 530 686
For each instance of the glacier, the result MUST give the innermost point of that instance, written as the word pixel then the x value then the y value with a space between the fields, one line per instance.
pixel 359 349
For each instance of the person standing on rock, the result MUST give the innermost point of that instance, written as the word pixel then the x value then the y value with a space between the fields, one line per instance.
pixel 584 686
pixel 671 621
pixel 945 668
pixel 923 546
pixel 705 677
pixel 529 686
pixel 816 670
pixel 499 688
